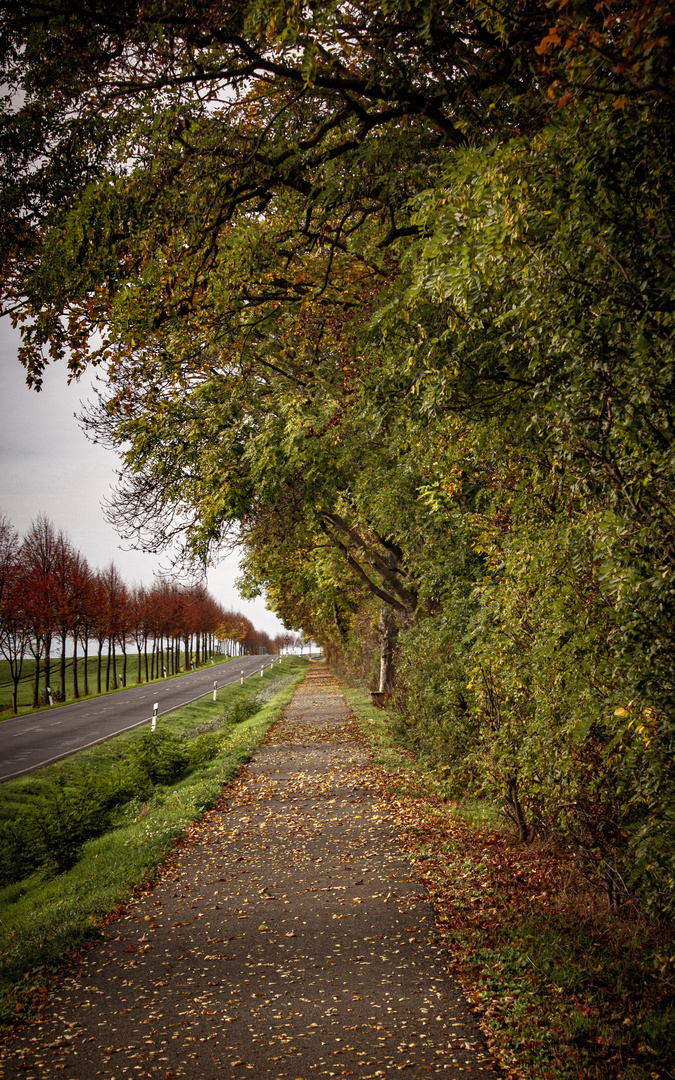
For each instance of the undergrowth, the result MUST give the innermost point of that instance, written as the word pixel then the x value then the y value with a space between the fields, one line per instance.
pixel 563 988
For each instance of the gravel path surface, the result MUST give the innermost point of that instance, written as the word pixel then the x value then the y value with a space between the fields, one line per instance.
pixel 287 938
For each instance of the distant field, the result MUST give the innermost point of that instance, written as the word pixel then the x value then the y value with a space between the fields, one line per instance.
pixel 26 683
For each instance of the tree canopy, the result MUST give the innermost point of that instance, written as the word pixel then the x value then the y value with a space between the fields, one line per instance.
pixel 384 291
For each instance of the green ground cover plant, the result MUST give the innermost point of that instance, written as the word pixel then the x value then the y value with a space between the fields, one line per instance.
pixel 96 826
pixel 25 689
pixel 563 987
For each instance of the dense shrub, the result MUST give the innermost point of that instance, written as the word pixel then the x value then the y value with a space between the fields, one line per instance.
pixel 159 756
pixel 48 828
pixel 242 709
pixel 51 829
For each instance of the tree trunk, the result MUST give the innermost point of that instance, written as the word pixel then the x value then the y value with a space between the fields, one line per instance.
pixel 145 652
pixel 36 682
pixel 107 667
pixel 515 810
pixel 48 666
pixel 139 670
pixel 62 668
pixel 76 685
pixel 124 664
pixel 85 652
pixel 98 666
pixel 114 665
pixel 388 635
pixel 339 623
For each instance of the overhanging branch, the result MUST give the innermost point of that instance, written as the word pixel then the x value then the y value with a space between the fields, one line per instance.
pixel 360 572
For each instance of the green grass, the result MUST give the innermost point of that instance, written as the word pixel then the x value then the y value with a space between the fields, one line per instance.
pixel 46 916
pixel 25 688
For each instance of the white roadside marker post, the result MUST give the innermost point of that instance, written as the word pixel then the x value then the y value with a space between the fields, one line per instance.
pixel 215 688
pixel 261 672
pixel 242 676
pixel 155 709
pixel 49 695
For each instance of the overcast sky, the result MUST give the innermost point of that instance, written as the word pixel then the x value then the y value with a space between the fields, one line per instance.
pixel 49 465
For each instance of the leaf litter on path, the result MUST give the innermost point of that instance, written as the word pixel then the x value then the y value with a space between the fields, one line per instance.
pixel 286 938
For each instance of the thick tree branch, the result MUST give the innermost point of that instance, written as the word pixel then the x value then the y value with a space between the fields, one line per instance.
pixel 407 597
pixel 360 572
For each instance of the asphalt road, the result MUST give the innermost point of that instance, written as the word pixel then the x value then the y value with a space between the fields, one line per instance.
pixel 28 742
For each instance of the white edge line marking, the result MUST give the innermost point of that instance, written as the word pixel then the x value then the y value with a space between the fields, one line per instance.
pixel 87 746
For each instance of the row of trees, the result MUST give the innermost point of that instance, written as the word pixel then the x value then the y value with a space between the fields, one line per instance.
pixel 387 292
pixel 50 598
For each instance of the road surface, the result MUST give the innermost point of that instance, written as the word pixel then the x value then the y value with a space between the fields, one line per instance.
pixel 27 742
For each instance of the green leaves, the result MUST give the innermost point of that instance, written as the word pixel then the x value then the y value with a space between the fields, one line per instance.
pixel 387 294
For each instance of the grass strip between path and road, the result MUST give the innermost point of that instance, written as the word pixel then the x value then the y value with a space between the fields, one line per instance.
pixel 147 790
pixel 563 989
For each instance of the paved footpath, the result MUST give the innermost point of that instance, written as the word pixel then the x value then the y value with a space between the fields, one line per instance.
pixel 286 939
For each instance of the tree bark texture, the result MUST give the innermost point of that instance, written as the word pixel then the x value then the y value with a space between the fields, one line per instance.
pixel 388 636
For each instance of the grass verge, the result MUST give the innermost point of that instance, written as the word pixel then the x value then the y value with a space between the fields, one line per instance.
pixel 47 916
pixel 562 988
